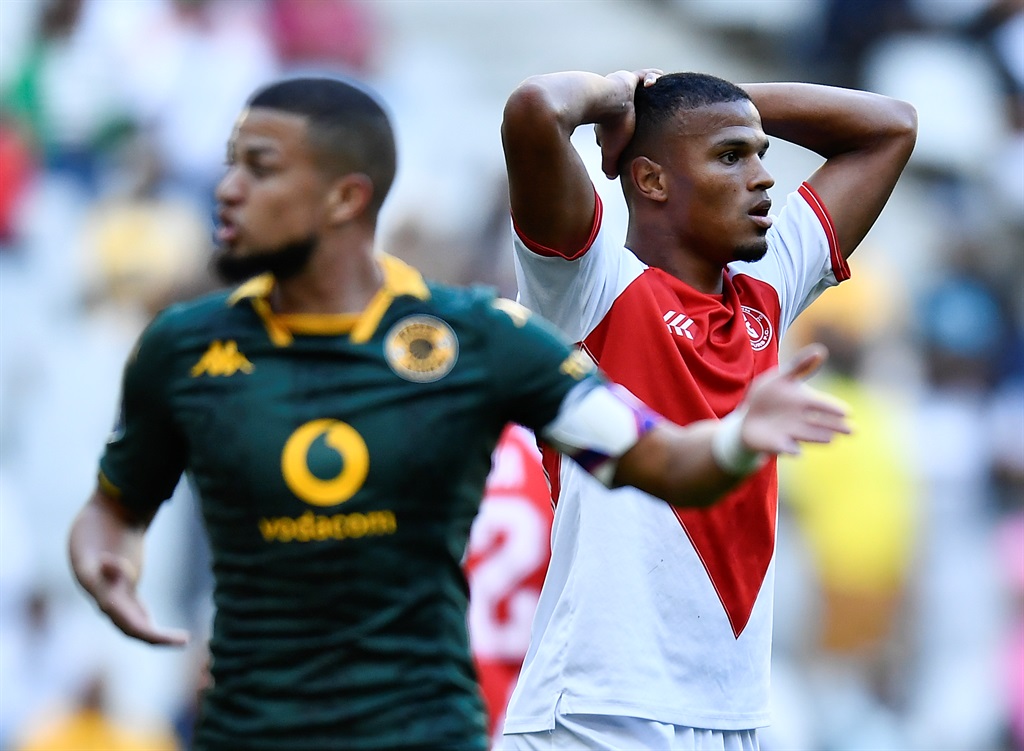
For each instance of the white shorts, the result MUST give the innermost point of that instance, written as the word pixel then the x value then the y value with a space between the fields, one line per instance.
pixel 574 732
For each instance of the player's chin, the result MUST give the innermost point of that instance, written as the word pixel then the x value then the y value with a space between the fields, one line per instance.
pixel 752 251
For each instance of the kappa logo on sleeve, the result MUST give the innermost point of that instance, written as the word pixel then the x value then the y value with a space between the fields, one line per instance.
pixel 578 365
pixel 513 310
pixel 222 359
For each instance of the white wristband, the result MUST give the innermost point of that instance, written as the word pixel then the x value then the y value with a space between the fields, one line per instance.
pixel 728 449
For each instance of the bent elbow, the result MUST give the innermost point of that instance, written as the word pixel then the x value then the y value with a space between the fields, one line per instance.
pixel 531 110
pixel 903 126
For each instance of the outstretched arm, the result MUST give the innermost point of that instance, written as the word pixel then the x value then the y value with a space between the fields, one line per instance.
pixel 695 465
pixel 105 547
pixel 551 194
pixel 866 140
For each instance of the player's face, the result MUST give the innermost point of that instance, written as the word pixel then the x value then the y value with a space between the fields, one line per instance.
pixel 718 186
pixel 271 202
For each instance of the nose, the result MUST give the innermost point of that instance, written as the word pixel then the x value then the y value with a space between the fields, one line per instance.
pixel 229 189
pixel 762 178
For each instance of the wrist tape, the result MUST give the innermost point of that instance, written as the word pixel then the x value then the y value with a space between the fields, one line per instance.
pixel 728 449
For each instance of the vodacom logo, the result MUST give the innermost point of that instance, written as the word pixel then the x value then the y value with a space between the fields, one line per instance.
pixel 351 448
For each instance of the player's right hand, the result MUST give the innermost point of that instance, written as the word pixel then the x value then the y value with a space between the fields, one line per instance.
pixel 614 134
pixel 112 583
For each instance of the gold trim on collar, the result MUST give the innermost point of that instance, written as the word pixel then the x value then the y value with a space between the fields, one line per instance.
pixel 399 279
pixel 258 286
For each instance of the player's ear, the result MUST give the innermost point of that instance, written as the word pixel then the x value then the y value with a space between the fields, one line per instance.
pixel 649 178
pixel 348 197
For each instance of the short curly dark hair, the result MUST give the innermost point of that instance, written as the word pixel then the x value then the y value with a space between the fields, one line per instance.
pixel 656 105
pixel 348 126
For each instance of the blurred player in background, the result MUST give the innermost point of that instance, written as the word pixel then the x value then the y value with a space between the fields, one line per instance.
pixel 336 415
pixel 507 557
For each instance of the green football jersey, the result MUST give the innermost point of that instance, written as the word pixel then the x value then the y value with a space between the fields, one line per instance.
pixel 340 461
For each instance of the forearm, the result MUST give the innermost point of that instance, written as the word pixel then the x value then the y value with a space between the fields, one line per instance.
pixel 550 191
pixel 678 465
pixel 103 526
pixel 105 547
pixel 570 99
pixel 831 121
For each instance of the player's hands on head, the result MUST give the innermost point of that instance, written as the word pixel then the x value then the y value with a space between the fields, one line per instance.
pixel 614 134
pixel 112 582
pixel 782 411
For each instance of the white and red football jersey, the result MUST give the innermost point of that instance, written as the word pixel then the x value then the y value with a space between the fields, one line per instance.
pixel 506 559
pixel 647 610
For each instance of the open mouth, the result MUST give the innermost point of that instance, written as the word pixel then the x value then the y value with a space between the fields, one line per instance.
pixel 760 214
pixel 226 231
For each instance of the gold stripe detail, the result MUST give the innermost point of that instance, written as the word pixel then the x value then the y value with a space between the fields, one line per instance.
pixel 108 487
pixel 399 279
pixel 279 334
pixel 316 323
pixel 258 286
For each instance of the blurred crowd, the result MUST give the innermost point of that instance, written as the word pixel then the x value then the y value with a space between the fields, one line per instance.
pixel 901 549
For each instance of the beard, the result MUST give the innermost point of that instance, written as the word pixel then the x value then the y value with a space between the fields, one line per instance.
pixel 284 261
pixel 755 251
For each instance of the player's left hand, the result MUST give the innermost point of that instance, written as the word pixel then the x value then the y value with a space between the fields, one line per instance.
pixel 783 411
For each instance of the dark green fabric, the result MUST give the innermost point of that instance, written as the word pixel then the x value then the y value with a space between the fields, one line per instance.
pixel 341 625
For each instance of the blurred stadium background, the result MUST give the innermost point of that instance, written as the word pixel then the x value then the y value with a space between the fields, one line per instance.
pixel 901 553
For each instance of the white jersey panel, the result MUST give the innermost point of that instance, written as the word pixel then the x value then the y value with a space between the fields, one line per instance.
pixel 574 295
pixel 632 624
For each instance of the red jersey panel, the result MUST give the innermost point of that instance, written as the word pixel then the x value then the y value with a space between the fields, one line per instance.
pixel 647 610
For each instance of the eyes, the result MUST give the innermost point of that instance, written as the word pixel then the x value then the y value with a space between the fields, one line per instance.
pixel 256 163
pixel 734 156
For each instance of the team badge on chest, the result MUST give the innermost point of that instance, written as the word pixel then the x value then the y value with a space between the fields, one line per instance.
pixel 421 348
pixel 759 328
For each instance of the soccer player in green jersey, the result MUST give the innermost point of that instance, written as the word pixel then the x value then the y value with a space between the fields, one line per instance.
pixel 335 414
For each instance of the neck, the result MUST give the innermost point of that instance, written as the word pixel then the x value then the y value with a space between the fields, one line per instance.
pixel 342 277
pixel 661 250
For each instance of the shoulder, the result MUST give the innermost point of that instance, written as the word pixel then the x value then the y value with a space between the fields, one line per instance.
pixel 187 314
pixel 473 307
pixel 173 327
pixel 478 310
pixel 456 300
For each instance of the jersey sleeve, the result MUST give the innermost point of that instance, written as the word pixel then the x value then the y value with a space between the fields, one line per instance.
pixel 574 293
pixel 145 455
pixel 557 391
pixel 804 257
pixel 533 366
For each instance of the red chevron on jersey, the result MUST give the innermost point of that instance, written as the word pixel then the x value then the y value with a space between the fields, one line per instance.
pixel 690 381
pixel 647 610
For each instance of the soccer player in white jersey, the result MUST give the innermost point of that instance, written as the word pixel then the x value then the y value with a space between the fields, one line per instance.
pixel 654 623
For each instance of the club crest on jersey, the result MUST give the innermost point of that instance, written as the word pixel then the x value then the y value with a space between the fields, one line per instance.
pixel 759 328
pixel 421 348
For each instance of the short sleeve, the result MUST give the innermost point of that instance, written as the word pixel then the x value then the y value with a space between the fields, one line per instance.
pixel 534 366
pixel 575 295
pixel 803 258
pixel 146 453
